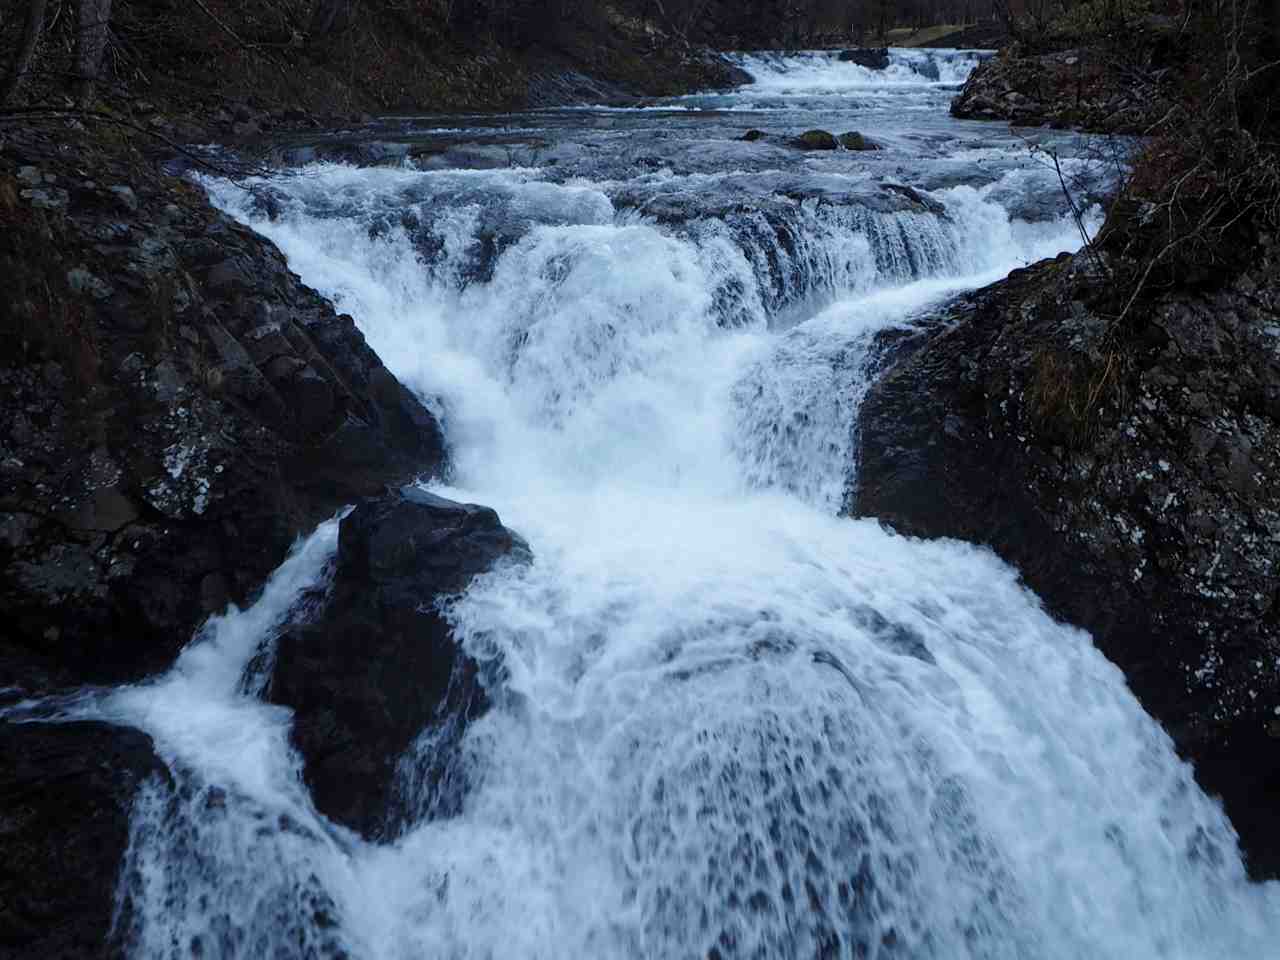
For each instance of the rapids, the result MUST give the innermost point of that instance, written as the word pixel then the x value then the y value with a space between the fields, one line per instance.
pixel 733 723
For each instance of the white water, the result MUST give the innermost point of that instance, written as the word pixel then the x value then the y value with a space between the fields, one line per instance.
pixel 822 70
pixel 735 725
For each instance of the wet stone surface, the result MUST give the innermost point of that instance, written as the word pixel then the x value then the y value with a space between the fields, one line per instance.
pixel 1158 529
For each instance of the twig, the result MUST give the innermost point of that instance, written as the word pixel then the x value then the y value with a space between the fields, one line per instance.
pixel 249 47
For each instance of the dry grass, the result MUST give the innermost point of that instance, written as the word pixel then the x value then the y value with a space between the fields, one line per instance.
pixel 1066 392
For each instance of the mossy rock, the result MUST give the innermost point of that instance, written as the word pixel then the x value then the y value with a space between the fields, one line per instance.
pixel 816 140
pixel 856 141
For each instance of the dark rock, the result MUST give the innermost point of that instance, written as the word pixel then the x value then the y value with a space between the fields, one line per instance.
pixel 178 409
pixel 917 200
pixel 751 136
pixel 1126 480
pixel 66 791
pixel 1082 88
pixel 815 140
pixel 927 69
pixel 381 665
pixel 856 141
pixel 870 57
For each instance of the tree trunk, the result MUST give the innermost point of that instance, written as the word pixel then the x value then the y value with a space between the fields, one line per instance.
pixel 31 31
pixel 91 42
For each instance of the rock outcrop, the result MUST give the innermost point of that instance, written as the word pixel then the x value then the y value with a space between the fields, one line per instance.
pixel 1083 87
pixel 66 791
pixel 1129 479
pixel 178 407
pixel 380 666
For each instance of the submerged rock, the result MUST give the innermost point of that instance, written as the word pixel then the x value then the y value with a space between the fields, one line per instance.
pixel 380 665
pixel 856 141
pixel 816 140
pixel 178 408
pixel 66 791
pixel 1128 482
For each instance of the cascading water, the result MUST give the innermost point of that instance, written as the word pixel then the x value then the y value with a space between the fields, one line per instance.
pixel 732 724
pixel 828 70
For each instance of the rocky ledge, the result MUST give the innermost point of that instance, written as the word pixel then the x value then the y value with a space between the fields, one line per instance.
pixel 1089 87
pixel 178 407
pixel 1131 483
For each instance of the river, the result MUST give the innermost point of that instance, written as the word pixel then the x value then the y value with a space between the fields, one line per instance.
pixel 731 721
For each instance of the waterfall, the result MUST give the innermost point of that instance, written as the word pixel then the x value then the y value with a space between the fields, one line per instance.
pixel 824 70
pixel 732 724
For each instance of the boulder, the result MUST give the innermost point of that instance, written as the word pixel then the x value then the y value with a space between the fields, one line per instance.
pixel 380 666
pixel 179 407
pixel 1125 479
pixel 1082 88
pixel 873 58
pixel 856 141
pixel 66 792
pixel 816 140
pixel 751 136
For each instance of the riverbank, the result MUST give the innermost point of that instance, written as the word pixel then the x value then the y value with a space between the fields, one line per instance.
pixel 1127 482
pixel 1106 422
pixel 233 71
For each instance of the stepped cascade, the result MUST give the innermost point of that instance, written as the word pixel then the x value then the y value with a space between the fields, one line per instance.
pixel 724 720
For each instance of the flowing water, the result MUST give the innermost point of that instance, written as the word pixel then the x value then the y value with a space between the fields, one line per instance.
pixel 732 723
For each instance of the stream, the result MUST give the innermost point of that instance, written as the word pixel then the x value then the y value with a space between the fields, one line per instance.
pixel 730 722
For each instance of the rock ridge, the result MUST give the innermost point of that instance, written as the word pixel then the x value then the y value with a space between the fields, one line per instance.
pixel 1128 482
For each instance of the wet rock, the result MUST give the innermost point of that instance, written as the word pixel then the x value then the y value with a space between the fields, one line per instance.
pixel 751 136
pixel 917 201
pixel 816 140
pixel 380 665
pixel 66 791
pixel 178 409
pixel 82 281
pixel 127 198
pixel 856 141
pixel 870 57
pixel 1127 483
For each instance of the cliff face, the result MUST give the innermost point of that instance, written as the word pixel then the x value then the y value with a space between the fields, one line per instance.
pixel 1130 483
pixel 178 408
